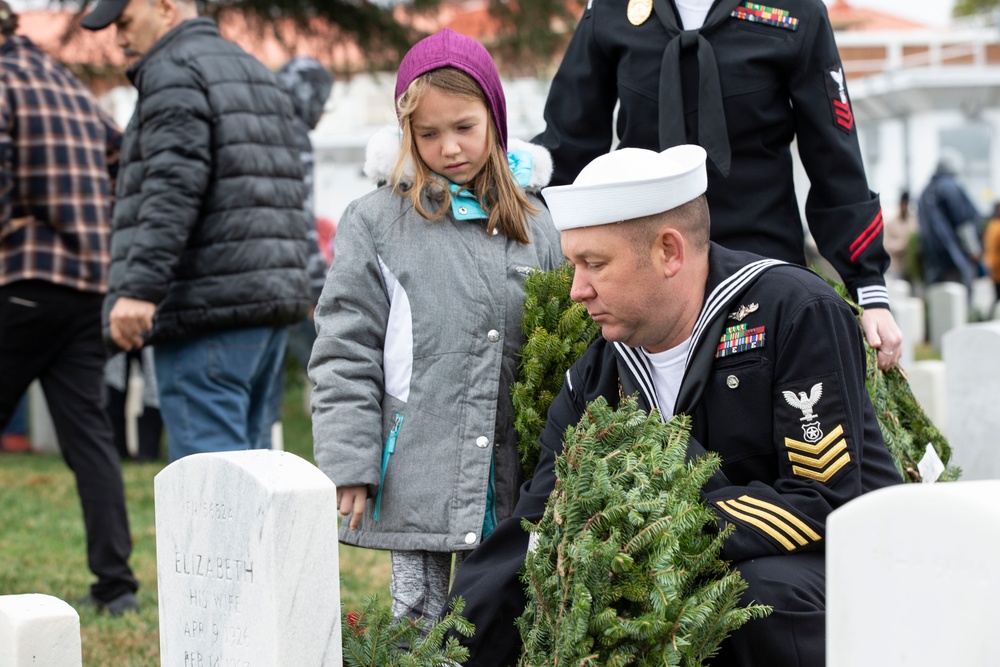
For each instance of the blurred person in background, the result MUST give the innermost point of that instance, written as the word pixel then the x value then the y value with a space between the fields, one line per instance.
pixel 950 246
pixel 991 252
pixel 208 255
pixel 58 159
pixel 309 84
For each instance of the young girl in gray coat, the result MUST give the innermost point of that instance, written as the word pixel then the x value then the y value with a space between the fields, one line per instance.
pixel 419 323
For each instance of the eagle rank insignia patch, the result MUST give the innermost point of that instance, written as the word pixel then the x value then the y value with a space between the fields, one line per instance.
pixel 822 451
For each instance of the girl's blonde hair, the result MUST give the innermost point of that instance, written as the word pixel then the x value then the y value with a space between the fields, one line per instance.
pixel 494 186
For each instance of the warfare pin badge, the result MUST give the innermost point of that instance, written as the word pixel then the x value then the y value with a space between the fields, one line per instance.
pixel 743 311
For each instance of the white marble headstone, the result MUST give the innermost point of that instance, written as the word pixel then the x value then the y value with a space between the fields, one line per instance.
pixel 947 308
pixel 912 577
pixel 972 386
pixel 247 566
pixel 38 631
pixel 927 382
pixel 898 289
pixel 43 431
pixel 983 295
pixel 909 314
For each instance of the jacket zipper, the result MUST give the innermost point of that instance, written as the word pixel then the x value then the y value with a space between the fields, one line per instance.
pixel 390 447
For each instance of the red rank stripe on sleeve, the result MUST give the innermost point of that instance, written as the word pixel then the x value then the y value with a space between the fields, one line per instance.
pixel 844 116
pixel 866 237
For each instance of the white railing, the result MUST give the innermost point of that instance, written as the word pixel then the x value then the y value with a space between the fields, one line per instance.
pixel 936 49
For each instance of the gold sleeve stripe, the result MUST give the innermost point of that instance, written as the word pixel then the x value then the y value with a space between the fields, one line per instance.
pixel 830 438
pixel 753 521
pixel 770 518
pixel 781 511
pixel 819 463
pixel 776 516
pixel 825 475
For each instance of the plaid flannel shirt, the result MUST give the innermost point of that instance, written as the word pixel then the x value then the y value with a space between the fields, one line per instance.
pixel 58 161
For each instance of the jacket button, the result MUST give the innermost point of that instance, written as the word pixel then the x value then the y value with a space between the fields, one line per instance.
pixel 463 210
pixel 732 382
pixel 470 538
pixel 493 335
pixel 482 442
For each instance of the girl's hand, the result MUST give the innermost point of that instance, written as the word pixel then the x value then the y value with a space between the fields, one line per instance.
pixel 351 499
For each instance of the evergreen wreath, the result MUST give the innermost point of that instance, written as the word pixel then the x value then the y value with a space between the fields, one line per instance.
pixel 626 568
pixel 905 426
pixel 557 333
pixel 373 638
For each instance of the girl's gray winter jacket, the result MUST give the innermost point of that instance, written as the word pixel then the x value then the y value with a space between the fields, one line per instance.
pixel 419 327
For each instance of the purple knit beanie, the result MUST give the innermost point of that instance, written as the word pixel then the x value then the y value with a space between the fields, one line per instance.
pixel 448 48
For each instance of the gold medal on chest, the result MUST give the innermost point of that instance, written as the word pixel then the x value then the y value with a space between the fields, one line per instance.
pixel 639 10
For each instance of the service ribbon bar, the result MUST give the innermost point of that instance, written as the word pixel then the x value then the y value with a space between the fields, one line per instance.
pixel 757 13
pixel 738 339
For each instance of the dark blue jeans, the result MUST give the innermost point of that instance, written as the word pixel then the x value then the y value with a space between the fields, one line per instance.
pixel 215 388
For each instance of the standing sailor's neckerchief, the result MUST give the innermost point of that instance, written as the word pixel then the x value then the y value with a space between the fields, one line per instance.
pixel 633 366
pixel 713 135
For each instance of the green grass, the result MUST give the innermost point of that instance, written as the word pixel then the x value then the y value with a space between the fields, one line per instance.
pixel 42 547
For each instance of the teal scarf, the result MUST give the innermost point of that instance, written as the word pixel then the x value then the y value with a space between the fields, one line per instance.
pixel 465 206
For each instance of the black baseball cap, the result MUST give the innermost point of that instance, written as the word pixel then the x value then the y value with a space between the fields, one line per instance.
pixel 104 14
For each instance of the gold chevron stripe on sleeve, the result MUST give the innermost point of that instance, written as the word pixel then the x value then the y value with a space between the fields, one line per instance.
pixel 778 523
pixel 824 476
pixel 819 463
pixel 753 521
pixel 830 438
pixel 781 511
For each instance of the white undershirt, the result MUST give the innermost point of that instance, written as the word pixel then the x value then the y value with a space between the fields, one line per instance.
pixel 693 12
pixel 667 368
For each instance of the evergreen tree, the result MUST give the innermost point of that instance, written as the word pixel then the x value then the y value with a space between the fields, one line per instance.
pixel 626 567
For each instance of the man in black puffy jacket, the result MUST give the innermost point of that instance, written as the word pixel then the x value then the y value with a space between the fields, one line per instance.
pixel 209 248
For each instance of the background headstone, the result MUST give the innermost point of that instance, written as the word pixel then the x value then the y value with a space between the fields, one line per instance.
pixel 898 289
pixel 972 387
pixel 983 295
pixel 912 577
pixel 41 428
pixel 947 308
pixel 927 382
pixel 910 316
pixel 38 631
pixel 247 565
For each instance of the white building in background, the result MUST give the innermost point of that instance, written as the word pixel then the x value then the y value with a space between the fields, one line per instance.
pixel 931 91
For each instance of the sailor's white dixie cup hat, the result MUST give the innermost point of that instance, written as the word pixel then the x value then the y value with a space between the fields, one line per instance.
pixel 629 183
